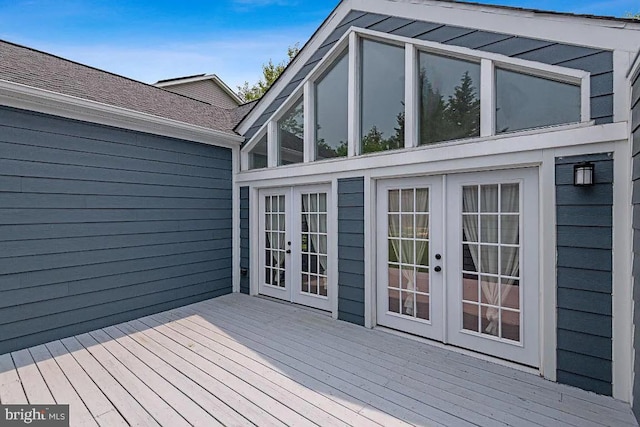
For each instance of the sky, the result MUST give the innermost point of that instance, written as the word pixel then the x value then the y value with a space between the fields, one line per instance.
pixel 150 40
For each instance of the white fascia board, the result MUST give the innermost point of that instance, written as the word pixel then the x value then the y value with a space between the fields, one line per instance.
pixel 330 24
pixel 596 33
pixel 44 101
pixel 520 142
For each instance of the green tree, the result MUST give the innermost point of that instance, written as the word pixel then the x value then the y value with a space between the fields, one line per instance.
pixel 433 125
pixel 462 113
pixel 373 141
pixel 270 73
pixel 632 15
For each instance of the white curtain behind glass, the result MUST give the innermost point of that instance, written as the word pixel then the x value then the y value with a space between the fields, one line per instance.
pixel 511 263
pixel 405 255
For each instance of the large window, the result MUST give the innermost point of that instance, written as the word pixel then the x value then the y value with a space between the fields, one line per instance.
pixel 331 111
pixel 291 135
pixel 524 102
pixel 382 103
pixel 258 154
pixel 449 99
pixel 378 92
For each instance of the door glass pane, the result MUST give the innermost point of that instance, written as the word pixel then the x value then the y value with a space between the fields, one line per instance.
pixel 382 99
pixel 314 243
pixel 491 268
pixel 449 98
pixel 525 101
pixel 290 135
pixel 409 255
pixel 274 250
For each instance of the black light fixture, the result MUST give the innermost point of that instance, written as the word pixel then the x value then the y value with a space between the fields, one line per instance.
pixel 583 174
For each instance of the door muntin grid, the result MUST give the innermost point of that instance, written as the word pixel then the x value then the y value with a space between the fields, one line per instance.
pixel 314 256
pixel 275 241
pixel 491 259
pixel 408 241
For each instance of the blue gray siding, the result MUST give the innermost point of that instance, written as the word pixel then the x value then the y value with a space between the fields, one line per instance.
pixel 244 239
pixel 635 104
pixel 598 62
pixel 584 238
pixel 351 250
pixel 100 225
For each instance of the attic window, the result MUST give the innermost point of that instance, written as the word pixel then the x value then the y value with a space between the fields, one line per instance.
pixel 449 99
pixel 331 110
pixel 291 135
pixel 258 154
pixel 524 102
pixel 382 102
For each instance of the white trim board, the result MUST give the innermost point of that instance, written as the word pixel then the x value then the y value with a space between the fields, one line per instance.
pixel 476 149
pixel 44 101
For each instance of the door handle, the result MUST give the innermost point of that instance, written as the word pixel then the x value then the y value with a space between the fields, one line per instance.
pixel 437 269
pixel 288 251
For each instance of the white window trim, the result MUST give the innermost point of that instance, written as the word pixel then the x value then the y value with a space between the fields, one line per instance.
pixel 244 154
pixel 488 62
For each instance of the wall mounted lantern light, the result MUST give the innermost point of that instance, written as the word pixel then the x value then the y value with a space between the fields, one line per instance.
pixel 583 174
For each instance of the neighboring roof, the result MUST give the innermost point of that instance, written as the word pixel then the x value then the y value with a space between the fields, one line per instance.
pixel 41 70
pixel 178 78
pixel 200 77
pixel 239 113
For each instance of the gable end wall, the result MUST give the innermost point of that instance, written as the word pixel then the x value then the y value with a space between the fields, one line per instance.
pixel 598 62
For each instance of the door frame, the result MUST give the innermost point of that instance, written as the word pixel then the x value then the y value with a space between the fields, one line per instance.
pixel 531 181
pixel 433 327
pixel 293 228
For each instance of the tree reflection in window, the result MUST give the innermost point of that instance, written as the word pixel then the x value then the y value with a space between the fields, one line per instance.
pixel 331 110
pixel 382 101
pixel 290 135
pixel 449 99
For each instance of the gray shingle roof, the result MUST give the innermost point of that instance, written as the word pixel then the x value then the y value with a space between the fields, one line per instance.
pixel 30 67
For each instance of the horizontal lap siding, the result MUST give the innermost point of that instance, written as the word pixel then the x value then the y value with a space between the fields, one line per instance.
pixel 100 225
pixel 244 239
pixel 635 109
pixel 584 263
pixel 351 250
pixel 598 62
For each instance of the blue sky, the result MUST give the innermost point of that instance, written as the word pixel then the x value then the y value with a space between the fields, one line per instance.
pixel 156 39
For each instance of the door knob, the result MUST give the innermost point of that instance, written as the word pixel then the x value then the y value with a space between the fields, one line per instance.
pixel 437 269
pixel 438 256
pixel 288 251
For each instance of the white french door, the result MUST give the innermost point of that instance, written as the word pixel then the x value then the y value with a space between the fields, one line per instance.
pixel 458 257
pixel 294 242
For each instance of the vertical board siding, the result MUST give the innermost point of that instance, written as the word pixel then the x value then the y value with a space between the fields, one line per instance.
pixel 351 250
pixel 100 225
pixel 584 263
pixel 598 62
pixel 635 129
pixel 244 239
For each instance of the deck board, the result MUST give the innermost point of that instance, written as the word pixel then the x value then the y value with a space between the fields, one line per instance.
pixel 239 360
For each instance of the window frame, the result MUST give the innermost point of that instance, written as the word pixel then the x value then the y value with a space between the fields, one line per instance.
pixel 350 43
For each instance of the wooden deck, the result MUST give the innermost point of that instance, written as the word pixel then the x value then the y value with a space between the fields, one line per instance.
pixel 239 360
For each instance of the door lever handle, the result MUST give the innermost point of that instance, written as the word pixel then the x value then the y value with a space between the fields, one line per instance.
pixel 437 269
pixel 288 251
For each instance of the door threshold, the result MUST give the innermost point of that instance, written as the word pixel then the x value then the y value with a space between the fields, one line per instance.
pixel 481 356
pixel 304 307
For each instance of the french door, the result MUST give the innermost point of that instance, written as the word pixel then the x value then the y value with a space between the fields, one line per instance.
pixel 457 259
pixel 294 242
